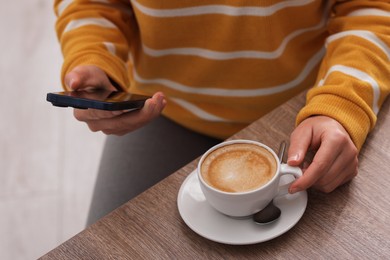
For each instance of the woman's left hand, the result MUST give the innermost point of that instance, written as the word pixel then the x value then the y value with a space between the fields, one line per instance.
pixel 335 159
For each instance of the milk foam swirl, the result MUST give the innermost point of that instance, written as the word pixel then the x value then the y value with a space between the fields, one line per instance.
pixel 238 167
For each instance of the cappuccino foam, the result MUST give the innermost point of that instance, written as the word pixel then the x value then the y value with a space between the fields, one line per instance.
pixel 238 167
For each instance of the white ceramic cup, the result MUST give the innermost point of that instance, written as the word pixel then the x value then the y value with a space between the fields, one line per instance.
pixel 243 204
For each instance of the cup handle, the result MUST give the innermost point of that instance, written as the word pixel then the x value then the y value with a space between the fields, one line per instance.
pixel 284 170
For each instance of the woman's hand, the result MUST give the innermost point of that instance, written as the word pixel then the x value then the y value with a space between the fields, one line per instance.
pixel 335 159
pixel 110 122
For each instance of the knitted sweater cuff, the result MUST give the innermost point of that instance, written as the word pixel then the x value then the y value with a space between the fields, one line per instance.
pixel 353 118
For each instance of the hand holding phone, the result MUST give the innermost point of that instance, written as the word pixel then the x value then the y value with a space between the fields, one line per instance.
pixel 82 79
pixel 108 109
pixel 97 99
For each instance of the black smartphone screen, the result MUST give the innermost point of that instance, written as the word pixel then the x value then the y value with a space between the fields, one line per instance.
pixel 97 99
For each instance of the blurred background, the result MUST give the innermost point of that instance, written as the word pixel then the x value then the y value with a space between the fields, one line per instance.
pixel 48 160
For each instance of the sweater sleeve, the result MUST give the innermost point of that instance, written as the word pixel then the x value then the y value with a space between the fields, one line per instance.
pixel 95 33
pixel 353 80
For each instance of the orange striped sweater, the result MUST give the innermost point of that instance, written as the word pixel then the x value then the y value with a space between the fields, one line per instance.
pixel 224 63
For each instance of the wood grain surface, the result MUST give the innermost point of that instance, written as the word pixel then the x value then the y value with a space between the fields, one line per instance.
pixel 350 223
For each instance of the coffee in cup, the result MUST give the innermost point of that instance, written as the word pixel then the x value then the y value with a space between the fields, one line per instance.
pixel 238 167
pixel 240 177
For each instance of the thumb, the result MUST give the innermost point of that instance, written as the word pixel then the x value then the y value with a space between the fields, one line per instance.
pixel 86 77
pixel 74 80
pixel 300 141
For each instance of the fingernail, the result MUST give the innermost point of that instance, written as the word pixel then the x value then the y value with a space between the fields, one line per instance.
pixel 160 98
pixel 294 157
pixel 117 113
pixel 71 83
pixel 293 190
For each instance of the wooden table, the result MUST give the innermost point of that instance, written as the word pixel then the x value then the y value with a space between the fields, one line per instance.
pixel 352 222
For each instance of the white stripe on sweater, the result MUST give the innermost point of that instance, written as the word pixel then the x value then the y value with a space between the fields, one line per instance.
pixel 369 12
pixel 217 55
pixel 236 92
pixel 220 9
pixel 360 75
pixel 198 112
pixel 366 35
pixel 110 47
pixel 102 22
pixel 62 6
pixel 65 3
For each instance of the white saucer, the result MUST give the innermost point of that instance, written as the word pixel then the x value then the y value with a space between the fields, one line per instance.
pixel 209 223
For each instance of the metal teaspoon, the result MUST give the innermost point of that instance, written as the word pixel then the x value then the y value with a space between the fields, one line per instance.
pixel 270 213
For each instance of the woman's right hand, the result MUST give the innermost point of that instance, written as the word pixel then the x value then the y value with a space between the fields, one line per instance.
pixel 110 122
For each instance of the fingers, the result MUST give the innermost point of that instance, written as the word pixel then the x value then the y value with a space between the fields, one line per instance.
pixel 123 122
pixel 344 169
pixel 335 161
pixel 319 167
pixel 110 122
pixel 300 142
pixel 343 176
pixel 94 114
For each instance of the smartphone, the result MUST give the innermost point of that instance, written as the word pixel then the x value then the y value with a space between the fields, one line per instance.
pixel 97 99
